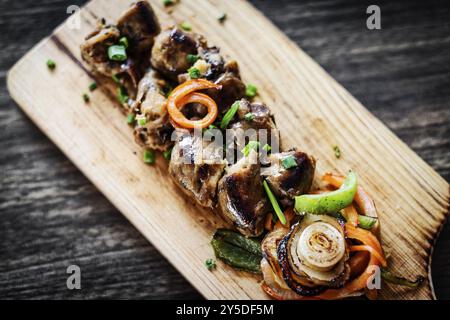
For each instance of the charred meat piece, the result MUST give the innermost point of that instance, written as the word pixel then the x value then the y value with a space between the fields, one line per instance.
pixel 259 127
pixel 170 51
pixel 95 51
pixel 196 167
pixel 233 88
pixel 241 196
pixel 140 25
pixel 150 104
pixel 290 174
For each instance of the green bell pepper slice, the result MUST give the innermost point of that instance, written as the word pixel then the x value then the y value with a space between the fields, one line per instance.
pixel 329 202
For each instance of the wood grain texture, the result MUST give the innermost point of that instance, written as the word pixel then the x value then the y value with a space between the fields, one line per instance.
pixel 61 183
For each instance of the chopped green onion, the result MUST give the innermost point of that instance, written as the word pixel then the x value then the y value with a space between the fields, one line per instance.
pixel 210 264
pixel 249 116
pixel 366 222
pixel 122 95
pixel 229 115
pixel 267 147
pixel 251 145
pixel 222 17
pixel 251 90
pixel 337 151
pixel 149 156
pixel 192 58
pixel 289 162
pixel 115 78
pixel 194 73
pixel 141 120
pixel 51 64
pixel 167 154
pixel 274 203
pixel 117 53
pixel 92 86
pixel 86 97
pixel 186 26
pixel 131 118
pixel 168 2
pixel 124 42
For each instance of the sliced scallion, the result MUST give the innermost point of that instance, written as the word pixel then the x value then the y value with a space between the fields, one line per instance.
pixel 251 90
pixel 124 42
pixel 186 26
pixel 251 145
pixel 229 115
pixel 289 162
pixel 149 156
pixel 194 73
pixel 192 58
pixel 167 154
pixel 274 202
pixel 249 116
pixel 117 53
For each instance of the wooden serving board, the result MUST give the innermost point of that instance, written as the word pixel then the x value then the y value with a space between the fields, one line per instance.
pixel 312 110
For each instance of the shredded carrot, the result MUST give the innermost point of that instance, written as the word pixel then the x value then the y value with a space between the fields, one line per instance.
pixel 185 94
pixel 351 215
pixel 377 255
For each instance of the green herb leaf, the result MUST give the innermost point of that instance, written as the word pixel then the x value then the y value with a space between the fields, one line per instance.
pixel 249 116
pixel 186 26
pixel 167 154
pixel 194 73
pixel 289 162
pixel 149 156
pixel 337 152
pixel 392 278
pixel 117 53
pixel 115 78
pixel 51 64
pixel 251 145
pixel 210 264
pixel 131 118
pixel 274 202
pixel 124 42
pixel 92 86
pixel 222 17
pixel 251 90
pixel 236 250
pixel 229 115
pixel 86 97
pixel 122 95
pixel 192 58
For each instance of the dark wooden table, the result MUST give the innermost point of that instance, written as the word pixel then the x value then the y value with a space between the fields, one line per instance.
pixel 52 217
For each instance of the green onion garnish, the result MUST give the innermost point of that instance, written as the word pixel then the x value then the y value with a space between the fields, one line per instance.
pixel 222 17
pixel 274 203
pixel 86 97
pixel 267 147
pixel 210 264
pixel 249 116
pixel 141 120
pixel 92 86
pixel 51 64
pixel 392 278
pixel 186 26
pixel 167 154
pixel 229 115
pixel 251 145
pixel 124 42
pixel 122 95
pixel 131 118
pixel 337 151
pixel 251 90
pixel 116 79
pixel 192 58
pixel 194 73
pixel 149 156
pixel 289 162
pixel 168 2
pixel 117 53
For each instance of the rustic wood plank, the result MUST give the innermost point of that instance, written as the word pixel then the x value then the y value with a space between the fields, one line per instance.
pixel 321 31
